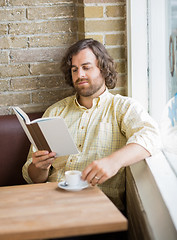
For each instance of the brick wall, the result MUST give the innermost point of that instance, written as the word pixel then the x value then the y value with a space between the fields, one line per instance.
pixel 105 21
pixel 35 34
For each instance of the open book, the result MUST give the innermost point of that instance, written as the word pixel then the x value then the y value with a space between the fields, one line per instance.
pixel 47 133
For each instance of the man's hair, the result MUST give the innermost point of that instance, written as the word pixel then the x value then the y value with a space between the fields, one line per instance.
pixel 105 62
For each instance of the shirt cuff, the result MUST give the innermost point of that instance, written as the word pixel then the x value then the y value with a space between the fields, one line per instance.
pixel 25 171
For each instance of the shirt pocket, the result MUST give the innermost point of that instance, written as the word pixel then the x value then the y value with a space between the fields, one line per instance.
pixel 105 127
pixel 105 137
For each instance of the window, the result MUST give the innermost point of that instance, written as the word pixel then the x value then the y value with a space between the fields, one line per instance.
pixel 170 138
pixel 172 39
pixel 152 77
pixel 162 19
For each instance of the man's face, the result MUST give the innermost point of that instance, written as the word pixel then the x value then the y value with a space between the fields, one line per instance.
pixel 86 76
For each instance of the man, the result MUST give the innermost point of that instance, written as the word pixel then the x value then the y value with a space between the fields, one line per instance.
pixel 110 131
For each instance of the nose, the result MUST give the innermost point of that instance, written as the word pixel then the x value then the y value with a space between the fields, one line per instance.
pixel 81 73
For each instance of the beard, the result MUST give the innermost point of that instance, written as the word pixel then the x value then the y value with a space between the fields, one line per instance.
pixel 89 90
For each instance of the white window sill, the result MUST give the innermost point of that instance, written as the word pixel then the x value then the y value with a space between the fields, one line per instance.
pixel 166 181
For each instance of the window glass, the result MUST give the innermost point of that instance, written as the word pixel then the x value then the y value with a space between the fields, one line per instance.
pixel 168 123
pixel 169 132
pixel 172 32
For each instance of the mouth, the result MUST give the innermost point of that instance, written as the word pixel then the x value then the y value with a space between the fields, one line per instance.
pixel 82 82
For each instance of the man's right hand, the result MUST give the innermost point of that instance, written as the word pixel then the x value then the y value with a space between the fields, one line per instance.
pixel 38 170
pixel 43 159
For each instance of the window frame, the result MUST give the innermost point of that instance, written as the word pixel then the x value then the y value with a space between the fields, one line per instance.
pixel 137 62
pixel 158 70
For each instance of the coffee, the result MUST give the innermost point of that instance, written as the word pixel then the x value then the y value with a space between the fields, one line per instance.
pixel 73 173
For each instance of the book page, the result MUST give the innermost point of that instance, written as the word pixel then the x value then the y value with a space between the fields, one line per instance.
pixel 43 119
pixel 22 122
pixel 58 136
pixel 22 114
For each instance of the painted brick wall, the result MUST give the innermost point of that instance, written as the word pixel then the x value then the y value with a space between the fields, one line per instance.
pixel 34 36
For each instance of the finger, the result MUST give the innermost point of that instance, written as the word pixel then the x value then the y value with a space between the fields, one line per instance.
pixel 42 156
pixel 40 159
pixel 96 180
pixel 44 164
pixel 40 153
pixel 100 177
pixel 102 180
pixel 43 153
pixel 90 171
pixel 90 175
pixel 52 154
pixel 85 172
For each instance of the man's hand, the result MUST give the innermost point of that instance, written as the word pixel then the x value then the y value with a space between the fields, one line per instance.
pixel 38 170
pixel 43 159
pixel 99 171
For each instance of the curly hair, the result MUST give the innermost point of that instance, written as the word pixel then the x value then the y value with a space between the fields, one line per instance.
pixel 105 62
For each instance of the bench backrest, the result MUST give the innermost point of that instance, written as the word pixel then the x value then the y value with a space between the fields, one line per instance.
pixel 14 147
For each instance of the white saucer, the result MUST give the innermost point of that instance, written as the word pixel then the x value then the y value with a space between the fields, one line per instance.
pixel 79 187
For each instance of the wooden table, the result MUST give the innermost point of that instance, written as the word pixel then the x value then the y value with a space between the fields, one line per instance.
pixel 45 211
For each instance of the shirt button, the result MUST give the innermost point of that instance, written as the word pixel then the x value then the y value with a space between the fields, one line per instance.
pixel 87 111
pixel 82 127
pixel 80 145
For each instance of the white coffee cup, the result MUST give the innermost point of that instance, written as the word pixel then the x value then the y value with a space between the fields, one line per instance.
pixel 73 177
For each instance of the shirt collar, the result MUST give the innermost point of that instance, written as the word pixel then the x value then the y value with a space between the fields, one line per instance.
pixel 96 101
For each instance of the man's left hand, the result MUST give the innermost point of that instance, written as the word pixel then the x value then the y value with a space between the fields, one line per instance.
pixel 99 171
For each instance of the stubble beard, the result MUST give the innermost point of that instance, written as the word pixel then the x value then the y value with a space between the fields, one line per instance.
pixel 88 90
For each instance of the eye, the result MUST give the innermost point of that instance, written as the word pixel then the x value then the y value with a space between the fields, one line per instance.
pixel 86 68
pixel 74 70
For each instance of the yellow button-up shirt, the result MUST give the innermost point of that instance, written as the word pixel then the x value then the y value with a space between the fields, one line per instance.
pixel 112 122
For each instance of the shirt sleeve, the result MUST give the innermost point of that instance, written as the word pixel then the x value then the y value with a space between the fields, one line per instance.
pixel 26 165
pixel 138 126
